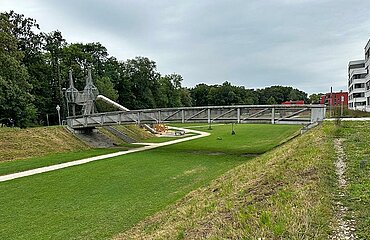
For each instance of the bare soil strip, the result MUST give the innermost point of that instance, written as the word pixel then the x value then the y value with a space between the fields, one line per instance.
pixel 345 228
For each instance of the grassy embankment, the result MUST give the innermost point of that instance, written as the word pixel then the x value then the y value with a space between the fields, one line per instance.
pixel 286 193
pixel 18 143
pixel 134 132
pixel 24 149
pixel 100 199
pixel 347 113
pixel 357 148
pixel 143 136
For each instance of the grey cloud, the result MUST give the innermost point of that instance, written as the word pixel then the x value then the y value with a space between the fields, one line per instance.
pixel 303 43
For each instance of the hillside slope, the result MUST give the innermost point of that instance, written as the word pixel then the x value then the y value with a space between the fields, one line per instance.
pixel 18 143
pixel 134 131
pixel 283 194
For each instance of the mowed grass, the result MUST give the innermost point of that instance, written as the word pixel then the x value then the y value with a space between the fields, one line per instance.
pixel 14 166
pixel 285 193
pixel 248 138
pixel 100 199
pixel 159 139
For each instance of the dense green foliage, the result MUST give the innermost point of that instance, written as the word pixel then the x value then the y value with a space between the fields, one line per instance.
pixel 102 198
pixel 34 70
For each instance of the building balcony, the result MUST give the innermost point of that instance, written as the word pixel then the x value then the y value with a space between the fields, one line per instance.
pixel 358 99
pixel 367 47
pixel 357 71
pixel 359 80
pixel 358 90
pixel 355 62
pixel 367 63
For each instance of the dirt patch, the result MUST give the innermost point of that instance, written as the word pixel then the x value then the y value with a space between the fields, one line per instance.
pixel 190 172
pixel 207 153
pixel 345 226
pixel 250 155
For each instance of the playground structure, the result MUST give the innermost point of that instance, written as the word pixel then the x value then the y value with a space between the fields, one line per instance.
pixel 274 114
pixel 160 127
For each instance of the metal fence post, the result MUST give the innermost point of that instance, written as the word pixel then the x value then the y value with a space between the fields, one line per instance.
pixel 238 114
pixel 209 115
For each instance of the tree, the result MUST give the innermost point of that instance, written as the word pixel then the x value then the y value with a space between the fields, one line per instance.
pixel 138 84
pixel 54 43
pixel 23 30
pixel 199 94
pixel 315 98
pixel 271 101
pixel 106 88
pixel 169 91
pixel 293 95
pixel 15 97
pixel 185 97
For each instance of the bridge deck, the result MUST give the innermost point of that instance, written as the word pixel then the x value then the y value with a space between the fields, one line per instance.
pixel 275 114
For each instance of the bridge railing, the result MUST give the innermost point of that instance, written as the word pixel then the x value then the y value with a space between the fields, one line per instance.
pixel 275 114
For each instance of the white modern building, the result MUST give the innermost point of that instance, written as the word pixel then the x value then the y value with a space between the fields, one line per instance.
pixel 359 82
pixel 367 67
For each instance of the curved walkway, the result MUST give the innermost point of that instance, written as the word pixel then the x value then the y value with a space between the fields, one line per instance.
pixel 349 119
pixel 87 160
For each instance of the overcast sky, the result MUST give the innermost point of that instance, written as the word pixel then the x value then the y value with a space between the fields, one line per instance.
pixel 301 43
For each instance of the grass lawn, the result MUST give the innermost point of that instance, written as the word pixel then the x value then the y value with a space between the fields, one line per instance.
pixel 249 138
pixel 165 139
pixel 285 193
pixel 102 198
pixel 159 139
pixel 14 166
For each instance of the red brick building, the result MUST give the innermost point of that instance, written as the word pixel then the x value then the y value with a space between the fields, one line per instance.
pixel 299 102
pixel 335 100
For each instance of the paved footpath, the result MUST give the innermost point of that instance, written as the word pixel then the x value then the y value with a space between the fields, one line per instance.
pixel 349 119
pixel 87 160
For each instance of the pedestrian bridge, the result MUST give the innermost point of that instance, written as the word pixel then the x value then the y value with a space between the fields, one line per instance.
pixel 274 114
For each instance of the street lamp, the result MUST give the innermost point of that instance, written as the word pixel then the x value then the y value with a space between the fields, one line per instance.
pixel 58 110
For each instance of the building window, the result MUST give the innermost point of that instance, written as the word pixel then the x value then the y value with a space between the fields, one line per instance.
pixel 359 104
pixel 359 85
pixel 358 76
pixel 358 95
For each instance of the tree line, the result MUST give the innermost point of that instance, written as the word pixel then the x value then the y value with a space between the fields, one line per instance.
pixel 34 68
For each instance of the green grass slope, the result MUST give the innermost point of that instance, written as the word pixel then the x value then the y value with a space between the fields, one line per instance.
pixel 134 132
pixel 100 199
pixel 18 143
pixel 25 149
pixel 283 194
